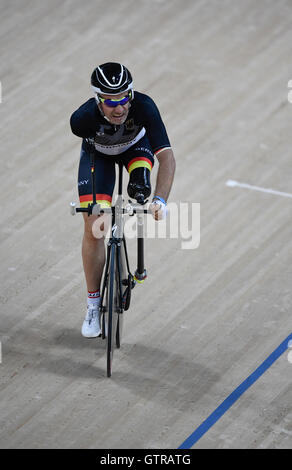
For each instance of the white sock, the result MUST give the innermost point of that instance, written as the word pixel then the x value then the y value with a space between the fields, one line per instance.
pixel 93 299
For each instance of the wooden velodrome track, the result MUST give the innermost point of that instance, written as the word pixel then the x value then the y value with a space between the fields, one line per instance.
pixel 206 318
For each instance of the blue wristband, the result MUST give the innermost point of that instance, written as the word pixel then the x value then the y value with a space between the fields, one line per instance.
pixel 160 199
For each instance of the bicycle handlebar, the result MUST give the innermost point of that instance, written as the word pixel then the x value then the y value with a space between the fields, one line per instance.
pixel 96 209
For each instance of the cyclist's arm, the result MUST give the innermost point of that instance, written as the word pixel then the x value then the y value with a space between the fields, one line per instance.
pixel 161 146
pixel 165 174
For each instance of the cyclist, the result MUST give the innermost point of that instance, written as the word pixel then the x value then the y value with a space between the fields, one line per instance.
pixel 117 123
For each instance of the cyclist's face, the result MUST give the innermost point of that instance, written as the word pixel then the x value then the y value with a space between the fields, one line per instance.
pixel 117 115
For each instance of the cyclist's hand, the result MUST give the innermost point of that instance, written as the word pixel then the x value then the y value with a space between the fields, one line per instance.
pixel 158 209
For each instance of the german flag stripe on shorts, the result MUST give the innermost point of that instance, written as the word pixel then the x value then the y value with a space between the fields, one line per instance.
pixel 103 199
pixel 139 162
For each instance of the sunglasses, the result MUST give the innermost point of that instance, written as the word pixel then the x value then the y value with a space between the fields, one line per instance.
pixel 114 103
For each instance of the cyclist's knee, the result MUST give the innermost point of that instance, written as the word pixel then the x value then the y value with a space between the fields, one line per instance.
pixel 96 227
pixel 88 222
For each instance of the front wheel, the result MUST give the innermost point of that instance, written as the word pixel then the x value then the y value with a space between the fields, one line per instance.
pixel 119 330
pixel 111 314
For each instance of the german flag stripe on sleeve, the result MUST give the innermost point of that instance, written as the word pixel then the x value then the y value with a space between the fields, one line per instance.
pixel 161 150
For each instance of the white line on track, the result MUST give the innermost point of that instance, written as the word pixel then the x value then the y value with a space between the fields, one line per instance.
pixel 233 184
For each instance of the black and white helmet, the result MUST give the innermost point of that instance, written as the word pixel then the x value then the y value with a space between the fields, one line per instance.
pixel 111 79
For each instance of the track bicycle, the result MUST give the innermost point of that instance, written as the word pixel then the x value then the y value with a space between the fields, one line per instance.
pixel 118 281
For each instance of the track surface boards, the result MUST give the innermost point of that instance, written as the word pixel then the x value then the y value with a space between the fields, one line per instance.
pixel 206 318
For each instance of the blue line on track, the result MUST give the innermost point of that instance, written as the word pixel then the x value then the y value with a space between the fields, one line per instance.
pixel 233 397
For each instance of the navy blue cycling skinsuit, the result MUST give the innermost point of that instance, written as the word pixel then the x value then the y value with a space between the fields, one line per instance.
pixel 136 142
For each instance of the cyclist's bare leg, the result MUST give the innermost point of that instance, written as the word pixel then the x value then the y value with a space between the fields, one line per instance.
pixel 93 255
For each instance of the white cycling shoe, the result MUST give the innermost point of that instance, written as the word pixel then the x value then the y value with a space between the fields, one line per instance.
pixel 91 325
